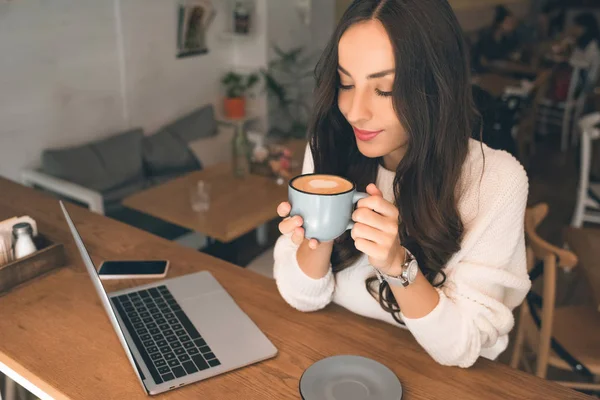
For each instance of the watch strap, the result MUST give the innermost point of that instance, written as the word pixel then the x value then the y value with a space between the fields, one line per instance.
pixel 399 280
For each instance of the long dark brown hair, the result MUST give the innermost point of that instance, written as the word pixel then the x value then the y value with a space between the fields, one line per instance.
pixel 432 98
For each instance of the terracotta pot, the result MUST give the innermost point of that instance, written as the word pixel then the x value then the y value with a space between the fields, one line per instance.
pixel 235 107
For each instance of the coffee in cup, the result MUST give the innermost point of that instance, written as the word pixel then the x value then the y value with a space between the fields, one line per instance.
pixel 322 184
pixel 325 203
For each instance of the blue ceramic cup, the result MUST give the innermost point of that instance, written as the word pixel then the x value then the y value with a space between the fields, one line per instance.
pixel 325 203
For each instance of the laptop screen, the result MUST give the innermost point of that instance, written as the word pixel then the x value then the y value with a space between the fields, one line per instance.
pixel 91 269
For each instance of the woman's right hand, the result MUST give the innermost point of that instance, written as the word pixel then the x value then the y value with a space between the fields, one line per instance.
pixel 293 226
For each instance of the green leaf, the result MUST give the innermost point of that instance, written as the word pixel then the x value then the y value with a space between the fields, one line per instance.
pixel 236 85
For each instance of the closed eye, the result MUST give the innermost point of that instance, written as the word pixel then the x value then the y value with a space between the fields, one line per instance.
pixel 382 93
pixel 377 91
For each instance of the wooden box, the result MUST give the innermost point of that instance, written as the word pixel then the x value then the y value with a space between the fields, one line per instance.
pixel 48 257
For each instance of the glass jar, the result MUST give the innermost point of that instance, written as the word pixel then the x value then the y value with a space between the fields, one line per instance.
pixel 23 240
pixel 200 196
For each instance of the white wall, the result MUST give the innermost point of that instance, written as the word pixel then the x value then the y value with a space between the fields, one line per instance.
pixel 62 81
pixel 160 86
pixel 287 30
pixel 323 22
pixel 70 73
pixel 249 56
pixel 57 76
pixel 277 22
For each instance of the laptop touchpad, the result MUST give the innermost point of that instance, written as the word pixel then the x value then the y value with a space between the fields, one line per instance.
pixel 197 284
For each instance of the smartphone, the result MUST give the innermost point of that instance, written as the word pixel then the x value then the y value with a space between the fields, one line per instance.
pixel 133 269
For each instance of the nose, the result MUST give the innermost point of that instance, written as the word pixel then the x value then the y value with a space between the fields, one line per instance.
pixel 360 110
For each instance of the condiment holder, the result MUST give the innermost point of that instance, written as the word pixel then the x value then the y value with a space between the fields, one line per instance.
pixel 26 230
pixel 24 253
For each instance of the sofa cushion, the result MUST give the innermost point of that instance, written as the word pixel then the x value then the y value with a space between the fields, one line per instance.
pixel 166 154
pixel 195 125
pixel 100 165
pixel 215 149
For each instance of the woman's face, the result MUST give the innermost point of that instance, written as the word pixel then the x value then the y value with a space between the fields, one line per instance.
pixel 509 25
pixel 366 69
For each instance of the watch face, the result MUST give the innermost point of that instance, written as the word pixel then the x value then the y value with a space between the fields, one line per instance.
pixel 412 270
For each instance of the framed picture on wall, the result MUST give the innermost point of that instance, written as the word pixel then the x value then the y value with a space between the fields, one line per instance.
pixel 193 19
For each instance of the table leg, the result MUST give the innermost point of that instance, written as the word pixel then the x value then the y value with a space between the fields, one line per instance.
pixel 262 235
pixel 10 388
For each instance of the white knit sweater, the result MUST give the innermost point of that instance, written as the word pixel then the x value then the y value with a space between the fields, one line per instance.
pixel 486 279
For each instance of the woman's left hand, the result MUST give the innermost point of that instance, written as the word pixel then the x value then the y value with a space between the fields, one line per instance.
pixel 375 232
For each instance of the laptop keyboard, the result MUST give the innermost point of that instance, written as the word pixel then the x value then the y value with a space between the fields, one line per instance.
pixel 164 336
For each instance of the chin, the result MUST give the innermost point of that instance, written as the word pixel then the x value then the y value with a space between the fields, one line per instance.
pixel 371 149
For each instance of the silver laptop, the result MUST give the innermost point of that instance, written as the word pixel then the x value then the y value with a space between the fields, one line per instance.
pixel 179 331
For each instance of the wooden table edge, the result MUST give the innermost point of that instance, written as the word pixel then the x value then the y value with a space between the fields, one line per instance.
pixel 30 381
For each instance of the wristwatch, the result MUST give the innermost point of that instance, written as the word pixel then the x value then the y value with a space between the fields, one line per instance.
pixel 408 275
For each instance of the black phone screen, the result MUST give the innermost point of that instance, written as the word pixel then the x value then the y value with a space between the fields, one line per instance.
pixel 133 268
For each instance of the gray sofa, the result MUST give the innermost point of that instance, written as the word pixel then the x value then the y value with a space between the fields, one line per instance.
pixel 102 173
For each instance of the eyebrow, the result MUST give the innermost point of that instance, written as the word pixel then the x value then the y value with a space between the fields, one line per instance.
pixel 380 74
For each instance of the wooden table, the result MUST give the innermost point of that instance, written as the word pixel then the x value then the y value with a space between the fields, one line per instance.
pixel 585 243
pixel 237 205
pixel 512 67
pixel 495 84
pixel 56 336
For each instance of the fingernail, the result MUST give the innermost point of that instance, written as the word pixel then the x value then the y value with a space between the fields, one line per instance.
pixel 298 222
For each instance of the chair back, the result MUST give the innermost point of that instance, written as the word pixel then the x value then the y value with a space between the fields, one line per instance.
pixel 589 132
pixel 540 250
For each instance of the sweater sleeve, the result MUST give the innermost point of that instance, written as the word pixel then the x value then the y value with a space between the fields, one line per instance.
pixel 298 289
pixel 483 286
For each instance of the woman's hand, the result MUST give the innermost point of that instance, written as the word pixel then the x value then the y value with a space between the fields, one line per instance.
pixel 293 226
pixel 375 232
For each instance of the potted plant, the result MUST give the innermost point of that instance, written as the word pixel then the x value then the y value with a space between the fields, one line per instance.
pixel 236 85
pixel 288 82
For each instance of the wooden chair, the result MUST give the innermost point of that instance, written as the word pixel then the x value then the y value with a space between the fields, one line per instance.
pixel 587 207
pixel 575 328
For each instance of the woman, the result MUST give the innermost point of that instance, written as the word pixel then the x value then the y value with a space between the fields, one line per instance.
pixel 583 39
pixel 586 49
pixel 392 113
pixel 551 20
pixel 498 42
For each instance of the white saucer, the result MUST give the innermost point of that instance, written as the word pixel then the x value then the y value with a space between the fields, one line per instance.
pixel 349 378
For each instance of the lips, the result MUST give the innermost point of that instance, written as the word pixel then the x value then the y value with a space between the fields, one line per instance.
pixel 364 135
